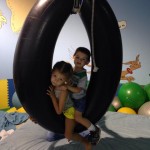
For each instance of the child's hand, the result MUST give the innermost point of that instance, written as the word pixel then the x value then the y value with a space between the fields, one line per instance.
pixel 70 83
pixel 33 120
pixel 50 91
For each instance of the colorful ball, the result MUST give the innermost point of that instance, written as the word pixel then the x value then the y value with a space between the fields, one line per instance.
pixel 116 103
pixel 111 108
pixel 132 95
pixel 144 109
pixel 147 89
pixel 118 88
pixel 126 110
pixel 16 101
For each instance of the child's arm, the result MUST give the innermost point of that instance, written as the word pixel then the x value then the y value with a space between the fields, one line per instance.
pixel 80 86
pixel 58 103
pixel 74 89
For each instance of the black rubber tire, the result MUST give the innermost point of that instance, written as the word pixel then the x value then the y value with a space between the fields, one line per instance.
pixel 34 55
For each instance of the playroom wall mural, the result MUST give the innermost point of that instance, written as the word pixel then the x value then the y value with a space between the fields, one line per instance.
pixel 133 21
pixel 135 38
pixel 128 73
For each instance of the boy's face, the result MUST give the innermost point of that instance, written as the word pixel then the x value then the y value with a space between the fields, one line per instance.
pixel 58 79
pixel 80 59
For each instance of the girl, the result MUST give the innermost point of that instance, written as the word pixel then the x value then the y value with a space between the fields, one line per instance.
pixel 61 75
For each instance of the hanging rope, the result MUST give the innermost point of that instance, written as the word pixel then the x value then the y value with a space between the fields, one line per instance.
pixel 95 68
pixel 77 6
pixel 76 9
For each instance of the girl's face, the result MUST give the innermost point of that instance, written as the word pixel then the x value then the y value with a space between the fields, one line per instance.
pixel 58 79
pixel 80 60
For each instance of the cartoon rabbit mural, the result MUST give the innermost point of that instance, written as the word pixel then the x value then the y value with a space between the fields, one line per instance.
pixel 133 65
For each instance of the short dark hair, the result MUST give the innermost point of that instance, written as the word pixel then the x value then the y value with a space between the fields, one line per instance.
pixel 64 68
pixel 83 50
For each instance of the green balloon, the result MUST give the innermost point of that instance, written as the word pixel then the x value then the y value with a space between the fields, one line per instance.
pixel 132 95
pixel 111 108
pixel 147 89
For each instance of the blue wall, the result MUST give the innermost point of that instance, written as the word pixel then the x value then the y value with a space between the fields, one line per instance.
pixel 135 37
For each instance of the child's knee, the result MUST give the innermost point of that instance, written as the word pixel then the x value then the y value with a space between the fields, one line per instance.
pixel 77 118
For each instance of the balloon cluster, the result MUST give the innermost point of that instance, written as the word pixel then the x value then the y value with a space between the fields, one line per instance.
pixel 132 98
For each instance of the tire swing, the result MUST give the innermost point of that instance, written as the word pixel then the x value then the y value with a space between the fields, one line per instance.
pixel 34 55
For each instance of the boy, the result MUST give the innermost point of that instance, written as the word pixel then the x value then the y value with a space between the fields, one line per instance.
pixel 78 89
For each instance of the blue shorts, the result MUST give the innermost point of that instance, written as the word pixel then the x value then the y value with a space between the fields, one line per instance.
pixel 79 104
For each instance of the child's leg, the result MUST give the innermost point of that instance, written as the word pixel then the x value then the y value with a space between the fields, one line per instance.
pixel 84 121
pixel 94 130
pixel 70 135
pixel 79 109
pixel 69 128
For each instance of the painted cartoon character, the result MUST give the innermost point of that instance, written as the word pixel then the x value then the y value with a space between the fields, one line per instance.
pixel 122 24
pixel 133 65
pixel 2 19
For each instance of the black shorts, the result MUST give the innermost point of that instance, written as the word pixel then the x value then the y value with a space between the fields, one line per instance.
pixel 79 104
